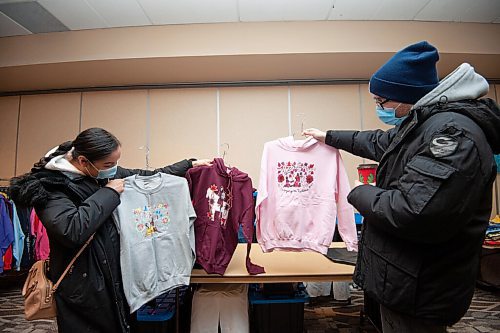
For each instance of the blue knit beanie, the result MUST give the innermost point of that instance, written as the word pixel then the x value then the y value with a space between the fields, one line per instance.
pixel 409 75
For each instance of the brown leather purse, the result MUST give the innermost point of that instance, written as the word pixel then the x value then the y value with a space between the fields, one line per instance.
pixel 38 290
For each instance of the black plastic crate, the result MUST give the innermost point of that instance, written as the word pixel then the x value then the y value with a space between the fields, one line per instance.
pixel 278 314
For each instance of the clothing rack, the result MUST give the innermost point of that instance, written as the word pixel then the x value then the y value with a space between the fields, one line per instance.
pixel 11 277
pixel 4 188
pixel 4 185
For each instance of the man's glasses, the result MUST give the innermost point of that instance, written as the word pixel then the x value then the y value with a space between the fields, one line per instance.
pixel 381 103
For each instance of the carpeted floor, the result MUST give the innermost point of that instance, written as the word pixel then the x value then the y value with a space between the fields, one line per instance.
pixel 322 317
pixel 483 316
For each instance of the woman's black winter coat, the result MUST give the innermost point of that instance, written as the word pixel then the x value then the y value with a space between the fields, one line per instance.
pixel 72 208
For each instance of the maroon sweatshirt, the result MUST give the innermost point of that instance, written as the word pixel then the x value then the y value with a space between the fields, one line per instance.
pixel 222 199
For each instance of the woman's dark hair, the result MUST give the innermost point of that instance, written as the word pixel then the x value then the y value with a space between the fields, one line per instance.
pixel 93 143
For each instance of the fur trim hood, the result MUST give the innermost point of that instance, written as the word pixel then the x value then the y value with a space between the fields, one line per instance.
pixel 30 190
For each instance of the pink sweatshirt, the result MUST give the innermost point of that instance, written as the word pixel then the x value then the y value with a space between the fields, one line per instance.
pixel 302 190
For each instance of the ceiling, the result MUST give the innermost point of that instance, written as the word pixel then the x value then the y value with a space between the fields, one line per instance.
pixel 23 17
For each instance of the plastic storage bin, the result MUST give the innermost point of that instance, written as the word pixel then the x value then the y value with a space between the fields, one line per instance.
pixel 277 314
pixel 157 316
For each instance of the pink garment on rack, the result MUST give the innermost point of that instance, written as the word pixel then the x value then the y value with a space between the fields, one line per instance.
pixel 42 247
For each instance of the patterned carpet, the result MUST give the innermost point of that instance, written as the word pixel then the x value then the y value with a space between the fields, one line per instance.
pixel 323 317
pixel 483 316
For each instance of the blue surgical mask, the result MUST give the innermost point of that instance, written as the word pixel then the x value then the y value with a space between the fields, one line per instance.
pixel 106 173
pixel 388 115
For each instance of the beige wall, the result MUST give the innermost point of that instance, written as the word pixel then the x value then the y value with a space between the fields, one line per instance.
pixel 183 123
pixel 328 107
pixel 180 123
pixel 45 121
pixel 123 113
pixel 9 113
pixel 249 117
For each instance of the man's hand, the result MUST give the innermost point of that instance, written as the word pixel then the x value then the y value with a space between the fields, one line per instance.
pixel 315 133
pixel 116 184
pixel 204 162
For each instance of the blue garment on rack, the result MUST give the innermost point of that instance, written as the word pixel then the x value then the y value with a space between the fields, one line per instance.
pixel 6 231
pixel 497 159
pixel 28 257
pixel 18 246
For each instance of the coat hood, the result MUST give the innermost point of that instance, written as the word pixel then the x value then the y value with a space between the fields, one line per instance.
pixel 61 163
pixel 460 92
pixel 461 84
pixel 290 144
pixel 30 190
pixel 231 172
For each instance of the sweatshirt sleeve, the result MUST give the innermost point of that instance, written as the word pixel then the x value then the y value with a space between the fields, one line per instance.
pixel 189 178
pixel 246 222
pixel 18 246
pixel 7 232
pixel 192 217
pixel 261 190
pixel 345 212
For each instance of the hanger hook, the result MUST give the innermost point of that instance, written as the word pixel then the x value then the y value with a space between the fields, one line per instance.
pixel 301 116
pixel 225 149
pixel 146 148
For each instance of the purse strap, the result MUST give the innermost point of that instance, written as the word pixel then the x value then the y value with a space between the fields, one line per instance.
pixel 72 262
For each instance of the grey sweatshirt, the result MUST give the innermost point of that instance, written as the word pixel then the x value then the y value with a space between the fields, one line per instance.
pixel 156 224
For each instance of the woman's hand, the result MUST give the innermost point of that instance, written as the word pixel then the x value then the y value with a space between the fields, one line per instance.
pixel 116 184
pixel 315 133
pixel 204 162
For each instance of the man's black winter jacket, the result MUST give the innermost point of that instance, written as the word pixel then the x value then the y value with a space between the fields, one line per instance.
pixel 426 218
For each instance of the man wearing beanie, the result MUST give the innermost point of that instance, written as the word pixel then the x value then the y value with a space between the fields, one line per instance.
pixel 425 220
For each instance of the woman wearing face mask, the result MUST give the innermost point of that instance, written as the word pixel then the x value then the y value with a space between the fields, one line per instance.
pixel 424 222
pixel 74 190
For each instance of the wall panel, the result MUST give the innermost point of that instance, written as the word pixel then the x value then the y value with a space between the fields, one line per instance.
pixel 328 107
pixel 183 125
pixel 9 112
pixel 123 113
pixel 249 117
pixel 44 122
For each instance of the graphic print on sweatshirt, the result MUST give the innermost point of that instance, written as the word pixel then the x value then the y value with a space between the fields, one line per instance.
pixel 218 203
pixel 295 176
pixel 150 220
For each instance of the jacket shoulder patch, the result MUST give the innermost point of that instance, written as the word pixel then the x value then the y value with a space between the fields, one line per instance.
pixel 443 145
